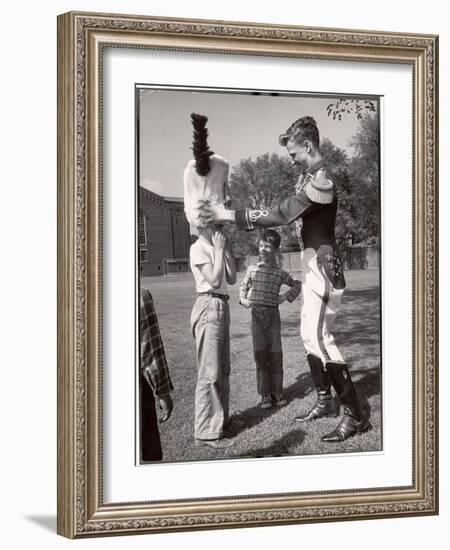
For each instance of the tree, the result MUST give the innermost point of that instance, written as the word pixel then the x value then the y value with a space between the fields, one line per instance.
pixel 364 170
pixel 360 204
pixel 243 242
pixel 359 107
pixel 338 170
pixel 366 145
pixel 262 183
pixel 356 180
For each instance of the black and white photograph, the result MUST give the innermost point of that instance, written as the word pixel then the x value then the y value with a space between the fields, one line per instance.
pixel 247 275
pixel 258 261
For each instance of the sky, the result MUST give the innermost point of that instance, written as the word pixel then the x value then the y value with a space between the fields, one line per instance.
pixel 239 125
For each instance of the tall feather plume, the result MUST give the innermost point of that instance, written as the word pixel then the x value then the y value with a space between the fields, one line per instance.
pixel 200 144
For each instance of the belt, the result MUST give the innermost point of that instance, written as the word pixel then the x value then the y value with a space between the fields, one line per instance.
pixel 224 297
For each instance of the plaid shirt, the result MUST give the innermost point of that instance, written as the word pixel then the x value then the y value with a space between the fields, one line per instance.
pixel 153 359
pixel 261 285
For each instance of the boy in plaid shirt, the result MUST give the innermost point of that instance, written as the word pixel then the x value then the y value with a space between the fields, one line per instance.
pixel 260 290
pixel 155 383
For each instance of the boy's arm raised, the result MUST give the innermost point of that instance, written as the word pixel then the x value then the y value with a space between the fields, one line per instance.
pixel 213 273
pixel 244 287
pixel 230 264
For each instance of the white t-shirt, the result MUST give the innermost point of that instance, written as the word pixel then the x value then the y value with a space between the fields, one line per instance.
pixel 202 252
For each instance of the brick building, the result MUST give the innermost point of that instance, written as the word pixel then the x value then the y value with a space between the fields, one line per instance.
pixel 163 236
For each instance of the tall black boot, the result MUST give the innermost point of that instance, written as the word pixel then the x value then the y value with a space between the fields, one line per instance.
pixel 352 422
pixel 324 405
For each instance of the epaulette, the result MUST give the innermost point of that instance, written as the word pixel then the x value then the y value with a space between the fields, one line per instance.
pixel 318 188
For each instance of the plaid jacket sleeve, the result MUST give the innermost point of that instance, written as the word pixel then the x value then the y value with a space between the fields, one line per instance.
pixel 245 286
pixel 153 358
pixel 295 289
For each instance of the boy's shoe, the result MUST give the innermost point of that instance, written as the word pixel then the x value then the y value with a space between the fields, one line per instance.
pixel 266 402
pixel 280 400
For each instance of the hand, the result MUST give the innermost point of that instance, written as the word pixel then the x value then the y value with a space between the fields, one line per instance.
pixel 215 213
pixel 281 298
pixel 218 240
pixel 166 405
pixel 246 303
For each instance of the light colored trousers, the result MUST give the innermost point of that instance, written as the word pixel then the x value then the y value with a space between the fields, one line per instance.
pixel 321 303
pixel 210 325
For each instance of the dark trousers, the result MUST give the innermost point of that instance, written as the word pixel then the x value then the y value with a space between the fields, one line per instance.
pixel 150 440
pixel 266 336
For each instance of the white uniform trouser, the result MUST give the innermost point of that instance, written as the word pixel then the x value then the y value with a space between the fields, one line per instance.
pixel 320 305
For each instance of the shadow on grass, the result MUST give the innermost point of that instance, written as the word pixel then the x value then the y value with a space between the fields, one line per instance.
pixel 357 333
pixel 253 416
pixel 280 447
pixel 357 329
pixel 359 322
pixel 367 384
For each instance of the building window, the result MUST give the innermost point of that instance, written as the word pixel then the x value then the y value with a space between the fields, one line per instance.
pixel 142 229
pixel 143 255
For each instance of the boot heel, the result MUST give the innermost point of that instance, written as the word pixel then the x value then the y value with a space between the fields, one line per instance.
pixel 323 408
pixel 365 426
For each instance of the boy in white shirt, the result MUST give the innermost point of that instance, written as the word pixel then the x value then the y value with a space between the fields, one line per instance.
pixel 212 266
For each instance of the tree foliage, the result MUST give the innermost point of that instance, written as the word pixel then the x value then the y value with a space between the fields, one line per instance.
pixel 359 107
pixel 364 171
pixel 359 210
pixel 357 183
pixel 338 170
pixel 262 183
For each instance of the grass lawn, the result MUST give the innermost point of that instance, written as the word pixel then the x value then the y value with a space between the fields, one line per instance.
pixel 271 432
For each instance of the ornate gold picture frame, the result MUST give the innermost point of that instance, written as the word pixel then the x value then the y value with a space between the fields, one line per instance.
pixel 82 40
